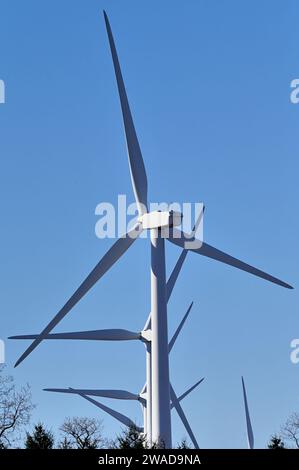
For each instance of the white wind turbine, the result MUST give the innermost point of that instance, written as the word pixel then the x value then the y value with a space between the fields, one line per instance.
pixel 250 436
pixel 144 336
pixel 161 225
pixel 125 395
pixel 123 419
pixel 144 396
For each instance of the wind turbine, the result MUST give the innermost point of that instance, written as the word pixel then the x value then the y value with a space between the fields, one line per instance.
pixel 250 436
pixel 120 335
pixel 161 225
pixel 144 336
pixel 125 395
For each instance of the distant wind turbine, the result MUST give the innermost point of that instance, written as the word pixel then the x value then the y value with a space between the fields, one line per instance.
pixel 250 437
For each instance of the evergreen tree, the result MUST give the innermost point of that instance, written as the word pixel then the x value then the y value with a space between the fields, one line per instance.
pixel 41 438
pixel 65 443
pixel 276 443
pixel 131 438
pixel 184 444
pixel 2 445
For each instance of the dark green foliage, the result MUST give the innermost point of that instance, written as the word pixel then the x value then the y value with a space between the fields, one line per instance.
pixel 276 443
pixel 184 444
pixel 130 438
pixel 41 438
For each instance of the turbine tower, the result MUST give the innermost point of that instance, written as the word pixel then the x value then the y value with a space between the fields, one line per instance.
pixel 161 226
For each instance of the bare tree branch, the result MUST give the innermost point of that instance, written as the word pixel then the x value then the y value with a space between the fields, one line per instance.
pixel 82 433
pixel 15 407
pixel 290 430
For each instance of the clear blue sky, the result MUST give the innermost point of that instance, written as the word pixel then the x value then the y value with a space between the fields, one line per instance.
pixel 209 86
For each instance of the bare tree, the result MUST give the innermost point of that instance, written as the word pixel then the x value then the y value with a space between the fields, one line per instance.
pixel 290 430
pixel 15 408
pixel 82 433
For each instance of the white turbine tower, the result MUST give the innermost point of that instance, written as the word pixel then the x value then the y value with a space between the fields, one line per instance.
pixel 250 436
pixel 161 225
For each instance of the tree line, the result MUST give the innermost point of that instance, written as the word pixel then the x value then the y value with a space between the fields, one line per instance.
pixel 77 432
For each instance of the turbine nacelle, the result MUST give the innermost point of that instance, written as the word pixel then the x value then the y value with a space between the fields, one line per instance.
pixel 160 219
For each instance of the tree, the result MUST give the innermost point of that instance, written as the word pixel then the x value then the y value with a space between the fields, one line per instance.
pixel 276 443
pixel 130 438
pixel 41 438
pixel 82 433
pixel 65 444
pixel 290 430
pixel 184 444
pixel 15 408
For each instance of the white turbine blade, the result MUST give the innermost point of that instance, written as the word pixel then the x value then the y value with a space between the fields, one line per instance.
pixel 170 283
pixel 137 168
pixel 180 239
pixel 190 389
pixel 115 394
pixel 115 414
pixel 180 412
pixel 97 335
pixel 250 436
pixel 177 269
pixel 179 328
pixel 108 260
pixel 175 274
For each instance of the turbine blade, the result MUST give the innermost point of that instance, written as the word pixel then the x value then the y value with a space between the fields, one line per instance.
pixel 98 335
pixel 179 264
pixel 115 414
pixel 250 436
pixel 178 330
pixel 180 239
pixel 175 274
pixel 137 168
pixel 170 283
pixel 115 394
pixel 182 416
pixel 112 255
pixel 190 390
